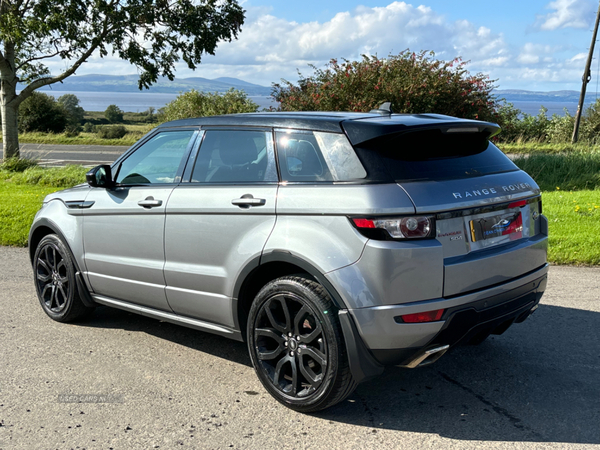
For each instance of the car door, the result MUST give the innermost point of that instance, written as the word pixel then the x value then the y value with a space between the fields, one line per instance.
pixel 123 230
pixel 218 221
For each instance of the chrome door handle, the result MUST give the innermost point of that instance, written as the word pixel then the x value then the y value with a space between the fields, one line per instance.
pixel 246 201
pixel 149 202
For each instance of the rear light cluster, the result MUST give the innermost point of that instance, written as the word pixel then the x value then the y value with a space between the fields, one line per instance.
pixel 412 227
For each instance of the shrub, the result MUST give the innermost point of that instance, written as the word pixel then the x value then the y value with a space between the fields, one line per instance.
pixel 113 114
pixel 560 129
pixel 526 128
pixel 17 164
pixel 111 131
pixel 556 130
pixel 413 82
pixel 88 127
pixel 589 130
pixel 72 130
pixel 198 104
pixel 40 112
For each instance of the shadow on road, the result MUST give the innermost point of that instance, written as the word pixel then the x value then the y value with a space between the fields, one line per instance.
pixel 105 317
pixel 539 382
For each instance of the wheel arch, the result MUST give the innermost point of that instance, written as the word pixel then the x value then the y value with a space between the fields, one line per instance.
pixel 269 267
pixel 43 227
pixel 281 263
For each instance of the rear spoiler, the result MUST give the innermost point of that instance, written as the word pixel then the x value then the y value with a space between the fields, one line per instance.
pixel 359 131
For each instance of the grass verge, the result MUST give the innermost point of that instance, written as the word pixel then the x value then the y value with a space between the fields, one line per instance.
pixel 18 205
pixel 567 171
pixel 574 224
pixel 22 193
pixel 537 147
pixel 135 132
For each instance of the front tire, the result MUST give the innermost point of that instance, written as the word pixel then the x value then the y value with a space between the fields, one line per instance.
pixel 296 345
pixel 55 284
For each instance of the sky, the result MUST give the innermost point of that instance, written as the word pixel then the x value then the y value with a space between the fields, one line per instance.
pixel 537 45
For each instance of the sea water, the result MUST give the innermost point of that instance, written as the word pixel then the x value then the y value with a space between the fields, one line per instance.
pixel 141 101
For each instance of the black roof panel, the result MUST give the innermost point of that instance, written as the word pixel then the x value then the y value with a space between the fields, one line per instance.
pixel 359 127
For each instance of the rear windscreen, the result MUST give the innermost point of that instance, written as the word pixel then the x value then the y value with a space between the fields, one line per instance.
pixel 433 155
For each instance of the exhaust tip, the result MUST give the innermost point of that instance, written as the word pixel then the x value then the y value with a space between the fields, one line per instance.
pixel 427 357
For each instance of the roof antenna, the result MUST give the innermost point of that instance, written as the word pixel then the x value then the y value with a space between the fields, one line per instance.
pixel 385 109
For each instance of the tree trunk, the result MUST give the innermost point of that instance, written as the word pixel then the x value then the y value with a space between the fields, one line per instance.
pixel 9 103
pixel 10 131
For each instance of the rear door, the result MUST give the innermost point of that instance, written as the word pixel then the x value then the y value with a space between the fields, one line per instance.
pixel 219 220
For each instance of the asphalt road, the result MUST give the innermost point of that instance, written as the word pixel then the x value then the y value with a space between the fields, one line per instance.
pixel 60 155
pixel 164 386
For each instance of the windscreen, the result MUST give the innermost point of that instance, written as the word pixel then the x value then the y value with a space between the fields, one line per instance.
pixel 434 155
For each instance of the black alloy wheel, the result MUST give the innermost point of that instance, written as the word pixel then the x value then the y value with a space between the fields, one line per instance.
pixel 296 345
pixel 55 284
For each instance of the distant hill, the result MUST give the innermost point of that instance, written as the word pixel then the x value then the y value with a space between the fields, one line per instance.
pixel 128 83
pixel 518 95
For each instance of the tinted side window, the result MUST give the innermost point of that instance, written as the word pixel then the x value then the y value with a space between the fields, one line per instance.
pixel 235 156
pixel 157 160
pixel 308 156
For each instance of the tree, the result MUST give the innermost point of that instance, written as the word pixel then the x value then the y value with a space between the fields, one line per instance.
pixel 413 82
pixel 40 112
pixel 70 103
pixel 153 35
pixel 113 114
pixel 200 104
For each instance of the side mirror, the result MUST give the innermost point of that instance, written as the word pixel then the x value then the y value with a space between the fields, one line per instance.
pixel 100 176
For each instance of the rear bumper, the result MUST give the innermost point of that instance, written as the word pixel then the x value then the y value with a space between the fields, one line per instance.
pixel 466 317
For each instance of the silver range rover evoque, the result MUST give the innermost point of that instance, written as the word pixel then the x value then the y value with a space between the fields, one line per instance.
pixel 333 243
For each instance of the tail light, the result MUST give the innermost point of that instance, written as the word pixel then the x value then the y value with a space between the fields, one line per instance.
pixel 411 227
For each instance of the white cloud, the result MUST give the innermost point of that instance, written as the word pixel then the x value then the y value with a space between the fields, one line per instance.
pixel 532 54
pixel 579 57
pixel 269 45
pixel 270 48
pixel 567 13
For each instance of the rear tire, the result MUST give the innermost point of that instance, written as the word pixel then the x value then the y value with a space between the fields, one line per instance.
pixel 55 284
pixel 296 345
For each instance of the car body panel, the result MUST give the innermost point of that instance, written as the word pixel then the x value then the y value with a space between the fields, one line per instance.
pixel 127 264
pixel 208 240
pixel 56 215
pixel 412 271
pixel 313 220
pixel 497 265
pixel 449 195
pixel 372 321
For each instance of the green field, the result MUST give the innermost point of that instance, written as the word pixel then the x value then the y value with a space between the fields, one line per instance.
pixel 18 205
pixel 574 226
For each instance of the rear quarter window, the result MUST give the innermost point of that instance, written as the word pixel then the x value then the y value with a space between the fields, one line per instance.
pixel 317 156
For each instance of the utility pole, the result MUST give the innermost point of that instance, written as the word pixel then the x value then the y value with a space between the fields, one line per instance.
pixel 587 76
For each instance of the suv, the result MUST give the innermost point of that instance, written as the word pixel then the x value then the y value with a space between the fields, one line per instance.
pixel 333 243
